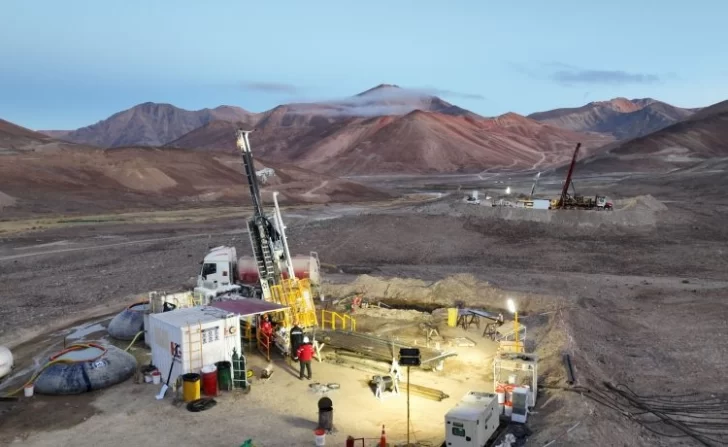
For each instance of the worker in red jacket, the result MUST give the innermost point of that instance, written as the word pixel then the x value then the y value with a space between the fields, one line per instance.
pixel 305 354
pixel 266 326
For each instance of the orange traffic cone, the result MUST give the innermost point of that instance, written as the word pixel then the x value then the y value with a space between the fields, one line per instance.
pixel 383 439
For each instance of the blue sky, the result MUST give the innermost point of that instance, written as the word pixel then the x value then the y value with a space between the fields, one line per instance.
pixel 70 63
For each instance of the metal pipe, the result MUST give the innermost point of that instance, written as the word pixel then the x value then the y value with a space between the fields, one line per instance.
pixel 282 231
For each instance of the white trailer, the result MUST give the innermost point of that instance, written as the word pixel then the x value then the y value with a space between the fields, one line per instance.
pixel 473 421
pixel 194 337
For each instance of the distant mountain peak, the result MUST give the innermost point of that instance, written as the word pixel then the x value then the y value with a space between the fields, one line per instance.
pixel 620 117
pixel 379 88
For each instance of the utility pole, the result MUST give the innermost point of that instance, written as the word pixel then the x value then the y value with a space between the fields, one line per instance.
pixel 409 357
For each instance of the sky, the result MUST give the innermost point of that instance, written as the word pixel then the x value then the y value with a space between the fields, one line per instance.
pixel 65 64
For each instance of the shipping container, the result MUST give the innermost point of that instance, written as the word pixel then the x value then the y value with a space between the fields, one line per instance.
pixel 194 337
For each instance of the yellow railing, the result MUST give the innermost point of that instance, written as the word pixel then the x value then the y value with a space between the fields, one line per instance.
pixel 343 321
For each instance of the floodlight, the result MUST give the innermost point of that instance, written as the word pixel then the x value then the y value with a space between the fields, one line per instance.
pixel 511 306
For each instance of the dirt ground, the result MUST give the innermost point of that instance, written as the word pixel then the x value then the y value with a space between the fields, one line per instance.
pixel 639 303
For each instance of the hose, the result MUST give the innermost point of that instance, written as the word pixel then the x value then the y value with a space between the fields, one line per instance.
pixel 52 362
pixel 134 340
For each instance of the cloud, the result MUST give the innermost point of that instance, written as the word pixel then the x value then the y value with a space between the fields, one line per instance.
pixel 569 75
pixel 453 94
pixel 271 87
pixel 612 77
pixel 385 100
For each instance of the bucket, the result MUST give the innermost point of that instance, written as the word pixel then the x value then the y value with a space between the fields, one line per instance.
pixel 224 375
pixel 320 436
pixel 190 387
pixel 508 409
pixel 209 380
pixel 452 316
pixel 156 377
pixel 500 390
pixel 147 378
pixel 28 389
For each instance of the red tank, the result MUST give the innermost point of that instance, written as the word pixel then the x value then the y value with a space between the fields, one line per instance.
pixel 248 270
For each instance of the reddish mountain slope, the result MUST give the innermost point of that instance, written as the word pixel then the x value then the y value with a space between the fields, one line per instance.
pixel 152 124
pixel 433 136
pixel 703 136
pixel 15 139
pixel 95 181
pixel 620 118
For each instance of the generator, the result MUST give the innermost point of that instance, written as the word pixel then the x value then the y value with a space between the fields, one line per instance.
pixel 473 421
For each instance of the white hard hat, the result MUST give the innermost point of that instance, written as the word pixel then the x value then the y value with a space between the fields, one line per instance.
pixel 305 339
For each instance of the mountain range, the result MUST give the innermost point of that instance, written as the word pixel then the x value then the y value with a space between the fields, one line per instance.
pixel 162 155
pixel 620 118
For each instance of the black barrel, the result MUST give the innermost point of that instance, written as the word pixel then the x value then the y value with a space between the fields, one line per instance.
pixel 325 414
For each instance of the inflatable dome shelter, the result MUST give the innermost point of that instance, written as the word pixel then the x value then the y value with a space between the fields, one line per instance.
pixel 127 324
pixel 85 367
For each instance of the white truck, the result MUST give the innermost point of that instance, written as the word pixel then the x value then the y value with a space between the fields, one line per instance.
pixel 473 421
pixel 223 273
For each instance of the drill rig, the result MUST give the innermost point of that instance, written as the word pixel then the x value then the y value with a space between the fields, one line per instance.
pixel 276 273
pixel 567 201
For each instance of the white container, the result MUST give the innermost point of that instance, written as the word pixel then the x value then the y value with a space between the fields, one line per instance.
pixel 520 405
pixel 6 361
pixel 156 377
pixel 509 409
pixel 320 439
pixel 196 336
pixel 147 378
pixel 28 389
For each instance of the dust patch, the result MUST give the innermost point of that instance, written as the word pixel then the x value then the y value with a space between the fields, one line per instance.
pixel 6 200
pixel 141 178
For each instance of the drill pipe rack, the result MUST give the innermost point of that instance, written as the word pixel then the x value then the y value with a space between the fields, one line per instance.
pixel 376 348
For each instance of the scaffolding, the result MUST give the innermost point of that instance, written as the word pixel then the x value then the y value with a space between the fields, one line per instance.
pixel 521 365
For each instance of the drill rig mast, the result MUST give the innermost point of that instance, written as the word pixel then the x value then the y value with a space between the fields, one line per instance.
pixel 271 250
pixel 264 236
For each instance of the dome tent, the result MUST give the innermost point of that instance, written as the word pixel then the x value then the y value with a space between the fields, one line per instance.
pixel 85 367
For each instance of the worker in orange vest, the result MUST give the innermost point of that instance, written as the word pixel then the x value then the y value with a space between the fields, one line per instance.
pixel 305 354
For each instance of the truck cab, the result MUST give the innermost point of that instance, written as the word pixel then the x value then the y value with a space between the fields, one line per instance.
pixel 217 273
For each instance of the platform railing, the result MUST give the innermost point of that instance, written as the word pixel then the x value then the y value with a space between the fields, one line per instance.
pixel 336 321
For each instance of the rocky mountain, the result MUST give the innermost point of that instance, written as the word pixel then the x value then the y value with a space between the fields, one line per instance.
pixel 392 130
pixel 150 124
pixel 16 139
pixel 700 139
pixel 620 118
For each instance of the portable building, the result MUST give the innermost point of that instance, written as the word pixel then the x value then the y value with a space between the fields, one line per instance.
pixel 192 337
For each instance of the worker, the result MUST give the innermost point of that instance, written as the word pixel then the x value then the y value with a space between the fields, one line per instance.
pixel 305 354
pixel 266 327
pixel 296 335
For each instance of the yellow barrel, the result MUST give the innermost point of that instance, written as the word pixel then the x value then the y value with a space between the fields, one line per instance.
pixel 191 387
pixel 452 316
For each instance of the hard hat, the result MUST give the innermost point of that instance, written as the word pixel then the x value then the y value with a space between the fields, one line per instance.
pixel 305 339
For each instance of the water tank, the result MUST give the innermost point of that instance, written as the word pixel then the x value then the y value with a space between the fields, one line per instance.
pixel 6 361
pixel 248 269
